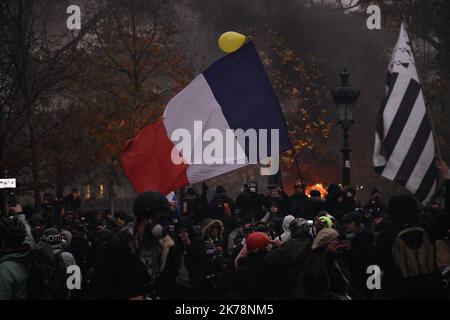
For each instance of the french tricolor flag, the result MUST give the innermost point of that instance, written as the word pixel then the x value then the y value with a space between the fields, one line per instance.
pixel 234 93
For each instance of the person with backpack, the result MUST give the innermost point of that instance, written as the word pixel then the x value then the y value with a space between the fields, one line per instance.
pixel 13 254
pixel 405 251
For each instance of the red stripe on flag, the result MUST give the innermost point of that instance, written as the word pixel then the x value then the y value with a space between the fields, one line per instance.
pixel 146 160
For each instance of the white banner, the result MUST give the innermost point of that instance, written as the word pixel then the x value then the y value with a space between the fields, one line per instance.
pixel 7 183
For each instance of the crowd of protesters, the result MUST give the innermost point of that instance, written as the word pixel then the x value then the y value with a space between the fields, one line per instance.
pixel 261 245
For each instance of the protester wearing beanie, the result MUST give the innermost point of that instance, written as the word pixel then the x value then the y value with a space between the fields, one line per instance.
pixel 324 277
pixel 251 277
pixel 324 238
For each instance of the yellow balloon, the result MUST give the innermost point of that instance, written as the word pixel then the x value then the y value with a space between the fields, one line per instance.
pixel 231 41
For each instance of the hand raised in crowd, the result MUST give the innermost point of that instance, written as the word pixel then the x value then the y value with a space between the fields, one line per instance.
pixel 276 242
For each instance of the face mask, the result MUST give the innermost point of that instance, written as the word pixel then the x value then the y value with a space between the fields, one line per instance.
pixel 252 189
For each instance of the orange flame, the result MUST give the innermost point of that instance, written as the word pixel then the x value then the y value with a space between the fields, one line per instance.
pixel 318 186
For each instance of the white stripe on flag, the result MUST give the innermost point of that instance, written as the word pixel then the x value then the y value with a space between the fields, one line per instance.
pixel 196 102
pixel 395 100
pixel 422 165
pixel 406 139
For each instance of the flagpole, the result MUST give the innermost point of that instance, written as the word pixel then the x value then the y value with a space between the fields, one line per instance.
pixel 427 109
pixel 298 167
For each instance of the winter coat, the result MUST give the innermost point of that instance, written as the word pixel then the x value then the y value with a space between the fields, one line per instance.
pixel 13 276
pixel 324 278
pixel 120 273
pixel 359 256
pixel 393 286
pixel 284 263
pixel 250 278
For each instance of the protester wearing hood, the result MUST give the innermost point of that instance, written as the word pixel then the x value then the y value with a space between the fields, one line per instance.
pixel 138 251
pixel 222 207
pixel 13 253
pixel 405 250
pixel 250 278
pixel 286 235
pixel 285 260
pixel 207 257
pixel 359 252
pixel 66 238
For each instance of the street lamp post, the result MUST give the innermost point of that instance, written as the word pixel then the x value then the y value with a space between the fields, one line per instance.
pixel 345 99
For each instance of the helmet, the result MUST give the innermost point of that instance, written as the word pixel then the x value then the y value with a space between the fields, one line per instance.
pixel 299 226
pixel 257 241
pixel 12 232
pixel 148 203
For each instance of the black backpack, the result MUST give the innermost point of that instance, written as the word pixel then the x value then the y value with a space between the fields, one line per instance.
pixel 47 275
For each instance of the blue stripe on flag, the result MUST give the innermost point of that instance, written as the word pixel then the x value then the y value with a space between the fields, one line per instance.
pixel 243 90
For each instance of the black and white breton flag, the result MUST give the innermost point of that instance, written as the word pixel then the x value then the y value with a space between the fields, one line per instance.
pixel 404 143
